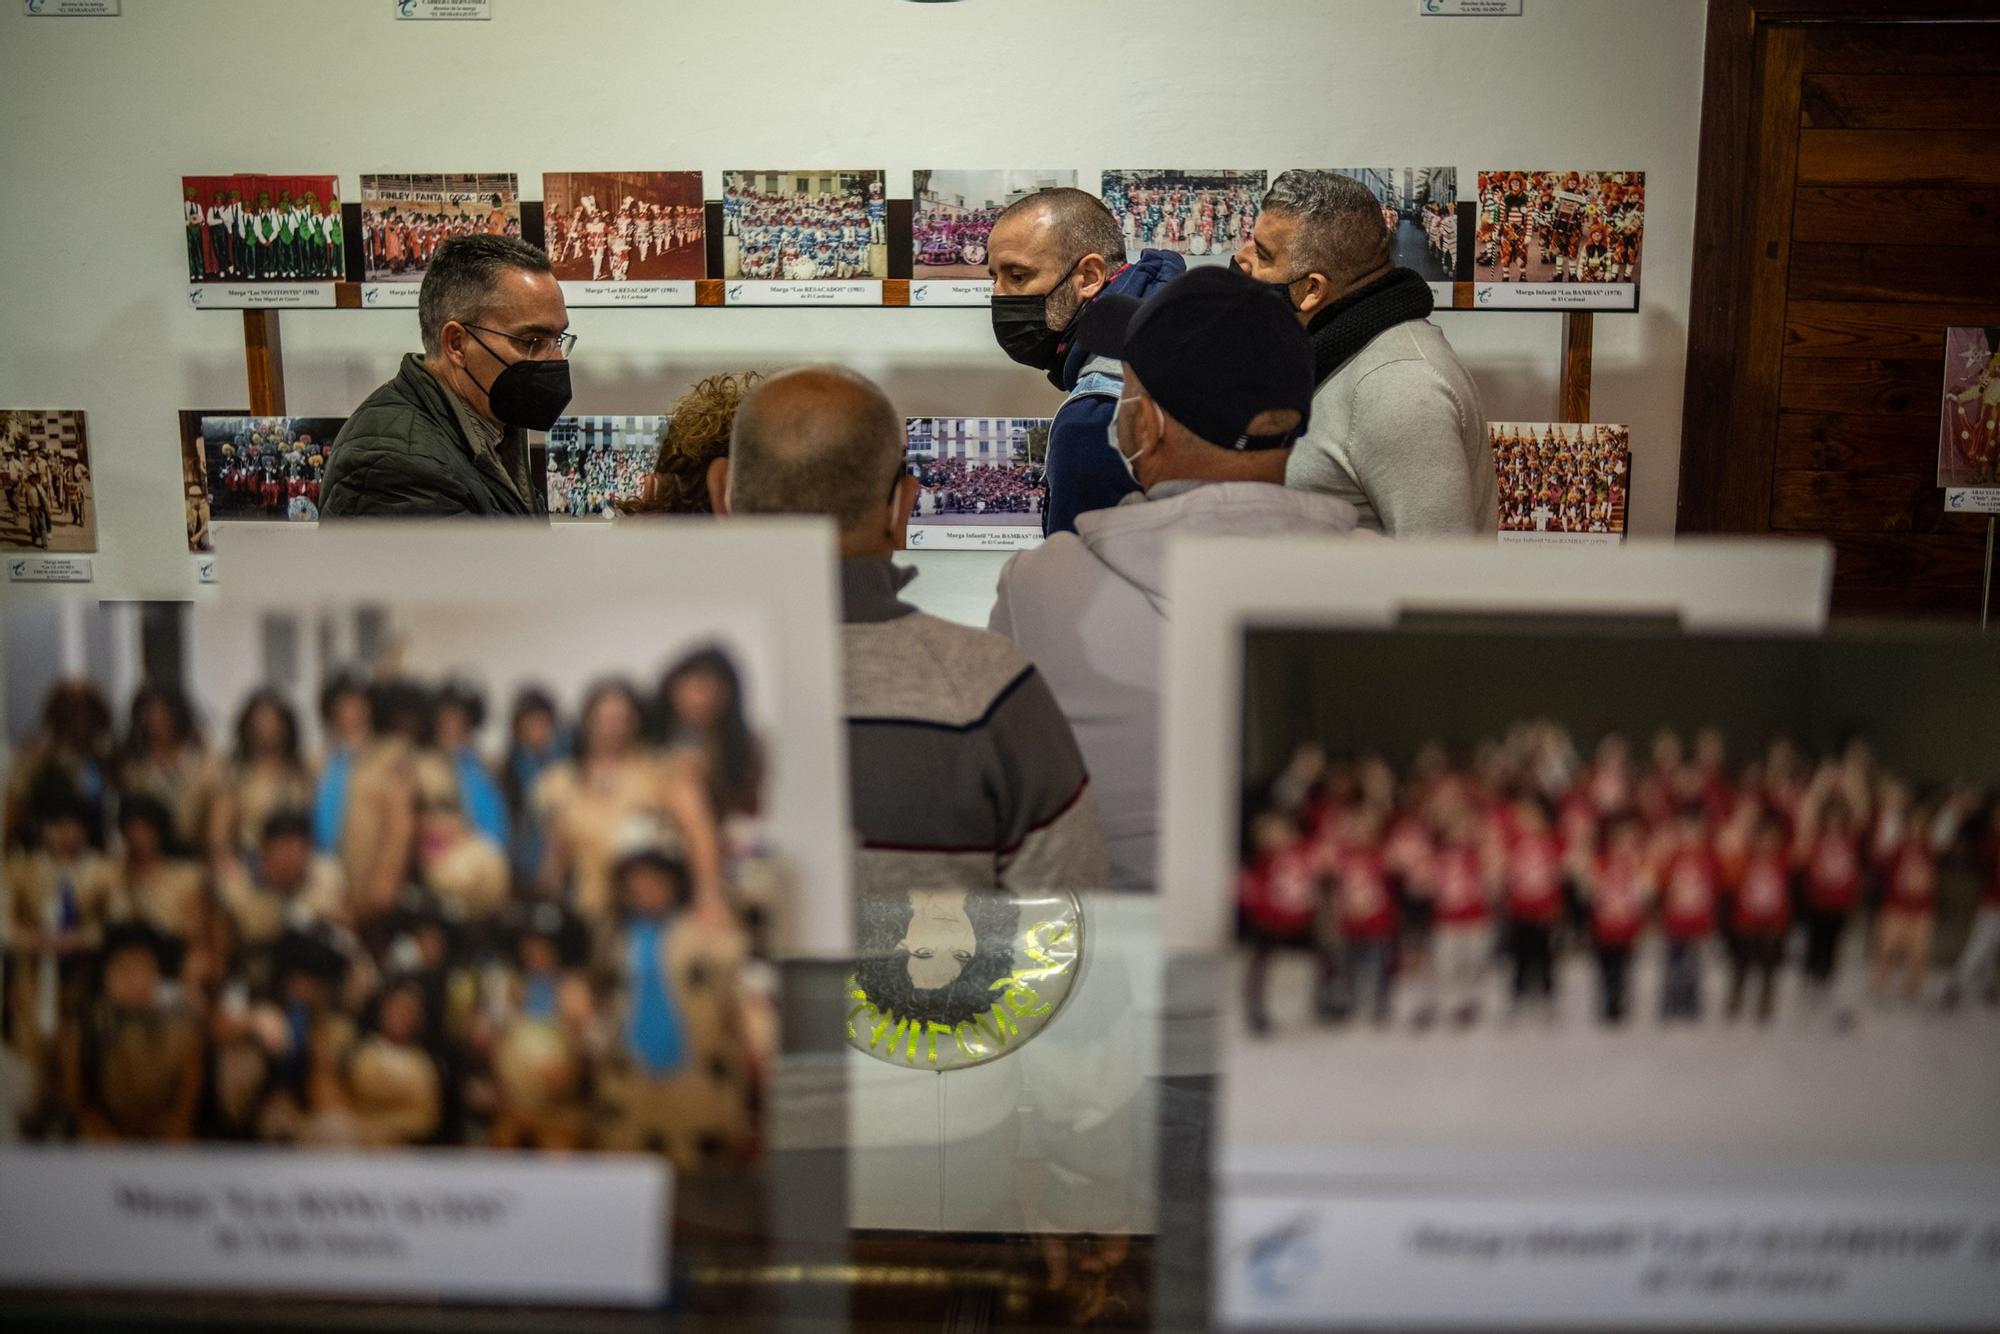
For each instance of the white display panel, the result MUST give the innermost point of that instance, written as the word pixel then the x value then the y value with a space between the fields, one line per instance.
pixel 1219 586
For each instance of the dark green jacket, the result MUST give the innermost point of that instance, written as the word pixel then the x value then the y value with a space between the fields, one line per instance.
pixel 404 454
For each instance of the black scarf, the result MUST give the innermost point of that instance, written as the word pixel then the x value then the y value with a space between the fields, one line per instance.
pixel 1346 326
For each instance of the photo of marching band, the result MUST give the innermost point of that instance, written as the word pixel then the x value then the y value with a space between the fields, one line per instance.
pixel 365 909
pixel 803 226
pixel 266 467
pixel 624 226
pixel 598 466
pixel 251 228
pixel 1204 215
pixel 1774 860
pixel 1562 478
pixel 1560 226
pixel 404 219
pixel 955 212
pixel 45 482
pixel 1420 206
pixel 1969 440
pixel 980 480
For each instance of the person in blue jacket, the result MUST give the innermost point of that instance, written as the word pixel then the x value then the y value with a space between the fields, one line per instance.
pixel 1051 254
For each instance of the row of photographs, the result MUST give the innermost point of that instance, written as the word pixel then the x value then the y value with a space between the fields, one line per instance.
pixel 1536 229
pixel 1580 992
pixel 983 475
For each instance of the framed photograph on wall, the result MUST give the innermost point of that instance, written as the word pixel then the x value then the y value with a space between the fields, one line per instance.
pixel 46 473
pixel 952 217
pixel 1420 206
pixel 981 482
pixel 262 240
pixel 1559 240
pixel 404 219
pixel 1562 482
pixel 811 236
pixel 1201 215
pixel 626 238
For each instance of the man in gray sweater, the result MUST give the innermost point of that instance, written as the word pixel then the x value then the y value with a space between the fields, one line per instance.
pixel 964 773
pixel 1397 430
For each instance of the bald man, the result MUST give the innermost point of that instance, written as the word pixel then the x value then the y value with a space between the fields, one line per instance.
pixel 964 774
pixel 1052 254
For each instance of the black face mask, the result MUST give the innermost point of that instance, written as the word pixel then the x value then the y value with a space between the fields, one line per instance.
pixel 1021 326
pixel 1284 290
pixel 528 394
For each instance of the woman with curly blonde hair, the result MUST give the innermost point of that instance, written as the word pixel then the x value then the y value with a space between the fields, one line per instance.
pixel 696 435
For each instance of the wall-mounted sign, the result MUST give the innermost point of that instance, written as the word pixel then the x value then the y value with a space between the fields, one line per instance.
pixel 444 9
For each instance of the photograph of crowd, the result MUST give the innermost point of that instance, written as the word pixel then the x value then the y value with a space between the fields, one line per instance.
pixel 978 472
pixel 249 228
pixel 372 906
pixel 1560 226
pixel 1969 441
pixel 266 467
pixel 954 213
pixel 802 226
pixel 625 226
pixel 1204 215
pixel 598 465
pixel 46 499
pixel 1420 206
pixel 1562 477
pixel 1673 832
pixel 404 219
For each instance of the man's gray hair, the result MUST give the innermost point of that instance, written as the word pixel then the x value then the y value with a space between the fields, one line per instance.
pixel 459 283
pixel 1340 228
pixel 817 440
pixel 1083 225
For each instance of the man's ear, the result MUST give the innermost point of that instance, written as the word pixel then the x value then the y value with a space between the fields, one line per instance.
pixel 718 485
pixel 1318 294
pixel 900 504
pixel 1091 272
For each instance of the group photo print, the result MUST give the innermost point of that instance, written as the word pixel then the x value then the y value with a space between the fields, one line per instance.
pixel 1560 226
pixel 1770 865
pixel 47 500
pixel 1561 478
pixel 249 228
pixel 954 214
pixel 267 467
pixel 624 226
pixel 420 891
pixel 1202 215
pixel 804 226
pixel 404 219
pixel 977 473
pixel 599 464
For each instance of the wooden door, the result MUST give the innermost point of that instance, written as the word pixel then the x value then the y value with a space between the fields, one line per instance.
pixel 1850 213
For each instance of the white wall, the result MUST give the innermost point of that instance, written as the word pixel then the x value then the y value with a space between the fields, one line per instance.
pixel 105 115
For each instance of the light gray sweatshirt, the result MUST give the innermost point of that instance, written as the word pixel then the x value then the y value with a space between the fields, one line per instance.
pixel 1398 433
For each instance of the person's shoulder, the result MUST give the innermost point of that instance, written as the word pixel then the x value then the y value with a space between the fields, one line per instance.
pixel 963 669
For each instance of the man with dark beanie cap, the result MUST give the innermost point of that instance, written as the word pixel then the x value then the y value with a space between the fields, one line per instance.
pixel 1216 371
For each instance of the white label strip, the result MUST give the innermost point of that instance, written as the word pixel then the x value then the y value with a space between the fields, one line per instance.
pixel 1468 9
pixel 456 1224
pixel 951 292
pixel 1556 296
pixel 390 296
pixel 935 536
pixel 1972 500
pixel 1565 539
pixel 444 9
pixel 1547 1259
pixel 750 292
pixel 665 293
pixel 48 569
pixel 72 9
pixel 256 296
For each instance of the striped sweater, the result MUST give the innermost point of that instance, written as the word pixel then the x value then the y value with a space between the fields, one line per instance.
pixel 964 772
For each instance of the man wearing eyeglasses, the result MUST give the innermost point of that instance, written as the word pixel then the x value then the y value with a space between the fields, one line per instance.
pixel 447 435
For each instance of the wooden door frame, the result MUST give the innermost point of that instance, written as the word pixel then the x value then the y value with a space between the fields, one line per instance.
pixel 1729 402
